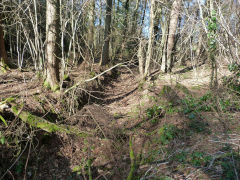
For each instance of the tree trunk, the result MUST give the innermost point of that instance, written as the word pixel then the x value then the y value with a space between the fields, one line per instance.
pixel 151 38
pixel 212 46
pixel 52 79
pixel 91 30
pixel 135 16
pixel 3 54
pixel 143 17
pixel 140 58
pixel 124 31
pixel 172 30
pixel 105 52
pixel 164 47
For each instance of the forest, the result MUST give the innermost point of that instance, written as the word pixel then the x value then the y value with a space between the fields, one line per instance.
pixel 119 89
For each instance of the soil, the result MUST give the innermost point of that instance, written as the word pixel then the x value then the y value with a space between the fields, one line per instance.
pixel 113 109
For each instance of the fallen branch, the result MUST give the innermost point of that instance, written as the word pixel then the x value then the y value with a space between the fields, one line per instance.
pixel 40 122
pixel 45 125
pixel 91 79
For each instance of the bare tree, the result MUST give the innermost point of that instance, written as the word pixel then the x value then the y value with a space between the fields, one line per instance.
pixel 3 53
pixel 151 38
pixel 212 44
pixel 52 71
pixel 172 30
pixel 91 29
pixel 105 52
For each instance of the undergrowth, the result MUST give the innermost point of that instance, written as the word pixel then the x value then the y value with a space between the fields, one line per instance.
pixel 165 137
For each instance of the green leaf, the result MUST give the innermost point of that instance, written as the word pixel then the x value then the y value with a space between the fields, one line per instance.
pixel 2 140
pixel 3 120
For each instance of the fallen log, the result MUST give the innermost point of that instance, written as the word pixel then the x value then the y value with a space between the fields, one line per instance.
pixel 39 122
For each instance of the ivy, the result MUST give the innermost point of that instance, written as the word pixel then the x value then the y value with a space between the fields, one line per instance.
pixel 212 28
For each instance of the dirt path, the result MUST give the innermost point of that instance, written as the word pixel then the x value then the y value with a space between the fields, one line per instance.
pixel 120 113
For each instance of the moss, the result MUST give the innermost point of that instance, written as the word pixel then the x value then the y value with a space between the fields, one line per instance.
pixel 15 110
pixel 39 75
pixel 65 77
pixel 92 74
pixel 4 66
pixel 141 85
pixel 55 88
pixel 3 70
pixel 43 124
pixel 46 84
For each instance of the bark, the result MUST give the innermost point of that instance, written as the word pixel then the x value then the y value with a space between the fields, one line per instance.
pixel 151 38
pixel 124 31
pixel 172 30
pixel 143 17
pixel 105 52
pixel 135 16
pixel 91 29
pixel 211 55
pixel 140 58
pixel 164 22
pixel 164 47
pixel 52 79
pixel 113 39
pixel 199 47
pixel 126 7
pixel 3 53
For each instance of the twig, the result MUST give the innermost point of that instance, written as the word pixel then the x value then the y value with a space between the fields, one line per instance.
pixel 192 174
pixel 97 123
pixel 226 142
pixel 86 91
pixel 102 175
pixel 235 170
pixel 15 161
pixel 11 174
pixel 25 169
pixel 91 79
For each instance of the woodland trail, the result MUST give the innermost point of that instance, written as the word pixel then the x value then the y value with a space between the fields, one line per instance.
pixel 126 108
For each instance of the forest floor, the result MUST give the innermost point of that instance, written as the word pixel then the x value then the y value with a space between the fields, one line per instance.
pixel 169 127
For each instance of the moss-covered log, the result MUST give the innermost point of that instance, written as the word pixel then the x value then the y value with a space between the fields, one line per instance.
pixel 45 125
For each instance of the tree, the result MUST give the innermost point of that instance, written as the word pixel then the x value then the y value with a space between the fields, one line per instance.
pixel 105 52
pixel 151 38
pixel 3 54
pixel 212 28
pixel 172 30
pixel 91 28
pixel 164 22
pixel 124 30
pixel 135 17
pixel 52 72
